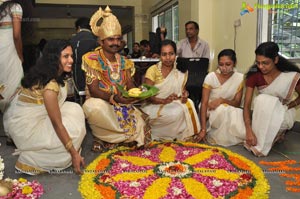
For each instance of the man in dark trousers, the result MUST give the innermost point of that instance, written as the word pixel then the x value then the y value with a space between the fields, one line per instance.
pixel 82 42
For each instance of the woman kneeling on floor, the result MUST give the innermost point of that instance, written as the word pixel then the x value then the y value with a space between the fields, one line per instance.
pixel 172 114
pixel 276 79
pixel 46 130
pixel 220 110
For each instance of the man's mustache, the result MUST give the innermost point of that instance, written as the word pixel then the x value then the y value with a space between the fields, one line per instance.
pixel 117 46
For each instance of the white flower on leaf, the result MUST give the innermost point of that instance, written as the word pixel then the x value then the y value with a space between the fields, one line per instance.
pixel 124 165
pixel 134 184
pixel 176 191
pixel 217 183
pixel 213 162
pixel 147 153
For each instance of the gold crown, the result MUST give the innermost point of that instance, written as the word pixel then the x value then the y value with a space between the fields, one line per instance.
pixel 109 26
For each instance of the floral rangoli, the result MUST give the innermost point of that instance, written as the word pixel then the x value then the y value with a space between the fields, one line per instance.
pixel 173 170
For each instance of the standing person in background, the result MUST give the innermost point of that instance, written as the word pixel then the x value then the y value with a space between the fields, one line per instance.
pixel 192 45
pixel 11 47
pixel 47 130
pixel 160 35
pixel 276 79
pixel 113 118
pixel 83 42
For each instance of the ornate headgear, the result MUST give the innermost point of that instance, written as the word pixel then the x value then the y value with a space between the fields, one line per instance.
pixel 109 26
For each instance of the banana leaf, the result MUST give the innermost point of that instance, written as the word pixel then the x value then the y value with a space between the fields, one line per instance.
pixel 151 91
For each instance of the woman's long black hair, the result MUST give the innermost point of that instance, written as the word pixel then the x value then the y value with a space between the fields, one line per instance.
pixel 270 49
pixel 47 67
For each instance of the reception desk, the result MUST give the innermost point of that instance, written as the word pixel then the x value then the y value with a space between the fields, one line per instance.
pixel 141 66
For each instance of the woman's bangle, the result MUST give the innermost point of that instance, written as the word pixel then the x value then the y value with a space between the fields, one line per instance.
pixel 69 145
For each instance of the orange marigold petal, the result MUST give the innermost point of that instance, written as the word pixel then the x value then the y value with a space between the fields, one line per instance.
pixel 102 164
pixel 243 193
pixel 106 191
pixel 239 163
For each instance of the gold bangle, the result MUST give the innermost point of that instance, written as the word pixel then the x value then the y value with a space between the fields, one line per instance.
pixel 69 145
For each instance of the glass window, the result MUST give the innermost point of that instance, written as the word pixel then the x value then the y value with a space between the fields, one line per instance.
pixel 284 19
pixel 279 21
pixel 169 19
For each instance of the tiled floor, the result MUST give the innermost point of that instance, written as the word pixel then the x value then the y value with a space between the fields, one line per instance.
pixel 65 185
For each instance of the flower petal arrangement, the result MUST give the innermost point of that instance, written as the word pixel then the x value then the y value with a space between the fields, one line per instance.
pixel 173 170
pixel 287 166
pixel 22 189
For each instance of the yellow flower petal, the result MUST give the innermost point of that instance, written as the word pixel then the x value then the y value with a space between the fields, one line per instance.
pixel 199 157
pixel 22 180
pixel 168 154
pixel 86 184
pixel 218 173
pixel 158 189
pixel 132 175
pixel 195 188
pixel 26 190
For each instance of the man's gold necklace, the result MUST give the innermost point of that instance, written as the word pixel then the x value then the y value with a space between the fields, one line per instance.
pixel 114 73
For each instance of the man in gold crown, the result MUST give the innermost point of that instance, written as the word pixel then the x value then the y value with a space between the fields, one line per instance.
pixel 112 118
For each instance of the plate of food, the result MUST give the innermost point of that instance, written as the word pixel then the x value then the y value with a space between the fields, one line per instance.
pixel 142 92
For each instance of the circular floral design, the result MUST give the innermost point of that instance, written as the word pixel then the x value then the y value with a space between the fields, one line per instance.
pixel 173 170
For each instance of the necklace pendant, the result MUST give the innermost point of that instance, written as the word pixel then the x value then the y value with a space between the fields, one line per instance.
pixel 114 75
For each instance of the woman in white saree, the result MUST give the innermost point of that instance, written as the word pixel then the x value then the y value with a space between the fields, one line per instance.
pixel 220 114
pixel 273 109
pixel 11 56
pixel 172 114
pixel 46 130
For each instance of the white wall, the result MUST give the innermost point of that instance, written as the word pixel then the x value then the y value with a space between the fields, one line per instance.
pixel 216 20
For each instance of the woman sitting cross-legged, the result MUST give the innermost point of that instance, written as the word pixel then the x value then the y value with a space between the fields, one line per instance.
pixel 47 131
pixel 221 98
pixel 276 79
pixel 172 114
